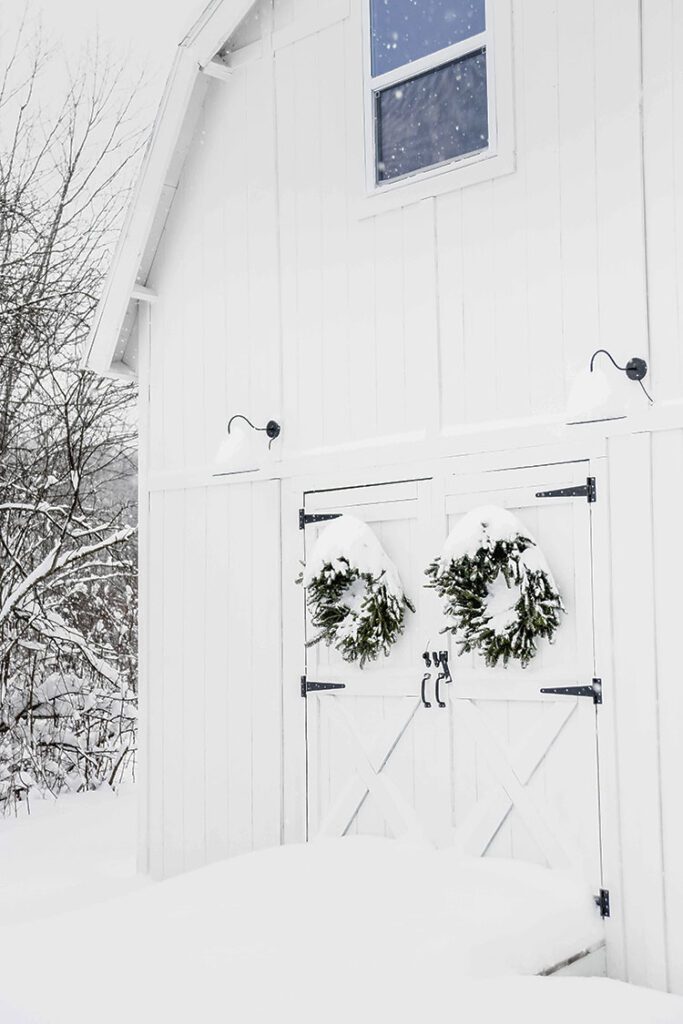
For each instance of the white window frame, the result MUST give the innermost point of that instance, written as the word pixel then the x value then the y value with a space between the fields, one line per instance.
pixel 495 159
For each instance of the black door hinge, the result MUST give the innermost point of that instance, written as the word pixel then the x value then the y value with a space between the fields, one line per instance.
pixel 315 517
pixel 309 686
pixel 594 690
pixel 602 902
pixel 587 491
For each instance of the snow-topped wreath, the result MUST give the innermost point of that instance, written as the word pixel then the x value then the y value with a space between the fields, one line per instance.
pixel 498 587
pixel 353 592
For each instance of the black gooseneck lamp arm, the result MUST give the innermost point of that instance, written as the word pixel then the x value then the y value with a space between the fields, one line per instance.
pixel 635 369
pixel 272 428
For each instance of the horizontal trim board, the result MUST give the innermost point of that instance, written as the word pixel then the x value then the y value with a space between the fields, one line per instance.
pixel 545 440
pixel 386 493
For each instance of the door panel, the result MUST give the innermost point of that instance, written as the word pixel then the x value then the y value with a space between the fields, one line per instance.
pixel 502 771
pixel 375 764
pixel 529 759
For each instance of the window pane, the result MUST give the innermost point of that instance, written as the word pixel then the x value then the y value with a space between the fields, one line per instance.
pixel 433 117
pixel 404 30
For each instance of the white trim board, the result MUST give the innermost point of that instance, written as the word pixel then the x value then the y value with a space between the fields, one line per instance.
pixel 547 441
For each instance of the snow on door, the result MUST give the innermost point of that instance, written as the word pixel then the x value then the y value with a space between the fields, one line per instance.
pixel 377 763
pixel 502 770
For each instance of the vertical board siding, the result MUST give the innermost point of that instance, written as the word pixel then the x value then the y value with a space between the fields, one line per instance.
pixel 217 640
pixel 620 213
pixel 217 322
pixel 663 160
pixel 646 476
pixel 636 708
pixel 540 152
pixel 214 762
pixel 276 296
pixel 578 188
pixel 667 476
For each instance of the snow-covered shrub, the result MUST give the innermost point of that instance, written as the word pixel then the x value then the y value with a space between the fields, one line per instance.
pixel 68 705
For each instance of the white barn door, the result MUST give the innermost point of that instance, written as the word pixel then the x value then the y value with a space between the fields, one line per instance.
pixel 377 763
pixel 502 769
pixel 525 763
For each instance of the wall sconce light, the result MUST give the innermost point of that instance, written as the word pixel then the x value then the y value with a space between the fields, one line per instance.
pixel 635 369
pixel 272 428
pixel 238 452
pixel 596 396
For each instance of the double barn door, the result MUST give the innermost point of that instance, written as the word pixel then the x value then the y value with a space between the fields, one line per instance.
pixel 502 769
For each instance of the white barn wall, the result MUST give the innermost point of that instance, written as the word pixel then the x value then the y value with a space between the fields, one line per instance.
pixel 663 162
pixel 213 696
pixel 501 290
pixel 645 498
pixel 446 314
pixel 667 476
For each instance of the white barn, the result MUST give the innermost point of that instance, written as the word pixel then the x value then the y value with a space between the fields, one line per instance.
pixel 413 308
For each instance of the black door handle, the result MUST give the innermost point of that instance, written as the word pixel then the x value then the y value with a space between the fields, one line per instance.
pixel 425 677
pixel 441 703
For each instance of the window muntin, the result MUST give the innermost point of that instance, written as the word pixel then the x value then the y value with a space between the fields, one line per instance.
pixel 405 30
pixel 430 88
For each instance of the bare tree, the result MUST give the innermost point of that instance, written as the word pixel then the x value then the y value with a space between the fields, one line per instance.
pixel 67 438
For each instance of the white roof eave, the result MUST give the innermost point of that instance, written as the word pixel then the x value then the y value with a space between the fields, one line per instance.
pixel 179 106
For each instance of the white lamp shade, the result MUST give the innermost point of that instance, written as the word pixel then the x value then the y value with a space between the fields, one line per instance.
pixel 602 394
pixel 243 449
pixel 240 451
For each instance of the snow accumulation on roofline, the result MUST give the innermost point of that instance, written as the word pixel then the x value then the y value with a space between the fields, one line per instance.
pixel 110 347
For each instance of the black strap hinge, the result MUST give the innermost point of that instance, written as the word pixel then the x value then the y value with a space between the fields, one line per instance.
pixel 587 491
pixel 310 686
pixel 602 902
pixel 594 691
pixel 315 517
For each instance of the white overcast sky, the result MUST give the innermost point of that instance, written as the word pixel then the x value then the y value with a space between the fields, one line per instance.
pixel 146 30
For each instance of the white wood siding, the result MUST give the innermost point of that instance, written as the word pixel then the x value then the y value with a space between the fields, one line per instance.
pixel 277 298
pixel 465 308
pixel 213 697
pixel 646 478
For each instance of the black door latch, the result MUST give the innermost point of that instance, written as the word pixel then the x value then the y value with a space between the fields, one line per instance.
pixel 438 660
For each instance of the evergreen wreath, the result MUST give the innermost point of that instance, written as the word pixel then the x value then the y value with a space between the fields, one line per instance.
pixel 498 588
pixel 353 592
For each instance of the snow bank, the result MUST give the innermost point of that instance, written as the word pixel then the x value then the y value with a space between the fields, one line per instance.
pixel 67 854
pixel 356 929
pixel 351 539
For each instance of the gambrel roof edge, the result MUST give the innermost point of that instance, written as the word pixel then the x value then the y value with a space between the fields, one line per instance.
pixel 105 349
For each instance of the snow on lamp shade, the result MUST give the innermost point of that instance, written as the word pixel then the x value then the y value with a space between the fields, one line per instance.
pixel 591 397
pixel 236 453
pixel 599 393
pixel 242 450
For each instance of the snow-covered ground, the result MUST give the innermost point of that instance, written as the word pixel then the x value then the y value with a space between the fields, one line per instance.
pixel 67 854
pixel 358 929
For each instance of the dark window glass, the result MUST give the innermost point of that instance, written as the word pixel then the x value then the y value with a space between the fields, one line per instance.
pixel 436 116
pixel 404 30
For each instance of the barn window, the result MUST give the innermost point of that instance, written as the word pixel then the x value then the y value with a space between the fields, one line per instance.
pixel 430 84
